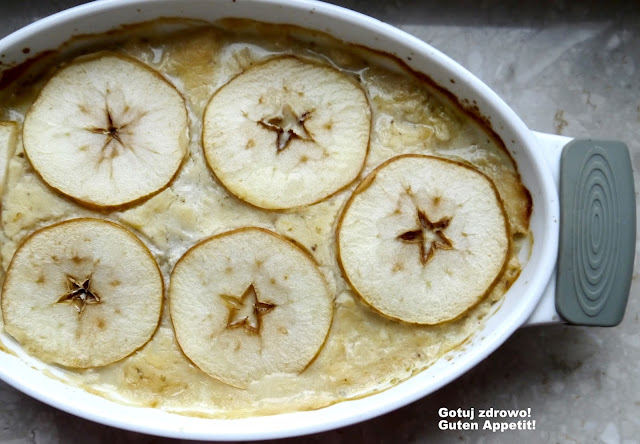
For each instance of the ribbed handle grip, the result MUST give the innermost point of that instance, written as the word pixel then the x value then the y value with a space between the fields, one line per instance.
pixel 597 232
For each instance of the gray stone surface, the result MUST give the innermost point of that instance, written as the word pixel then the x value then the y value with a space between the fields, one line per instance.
pixel 567 67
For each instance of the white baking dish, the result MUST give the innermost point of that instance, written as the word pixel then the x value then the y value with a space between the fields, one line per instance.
pixel 529 300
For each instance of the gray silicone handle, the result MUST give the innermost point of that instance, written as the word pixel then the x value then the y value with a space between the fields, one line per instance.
pixel 597 232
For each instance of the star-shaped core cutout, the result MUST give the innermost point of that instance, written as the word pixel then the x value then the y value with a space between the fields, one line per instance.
pixel 247 310
pixel 118 122
pixel 429 236
pixel 79 294
pixel 111 131
pixel 288 126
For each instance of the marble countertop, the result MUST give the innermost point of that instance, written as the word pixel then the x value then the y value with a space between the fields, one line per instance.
pixel 565 67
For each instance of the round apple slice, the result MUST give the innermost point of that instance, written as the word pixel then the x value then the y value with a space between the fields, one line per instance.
pixel 423 239
pixel 107 130
pixel 82 293
pixel 249 303
pixel 287 133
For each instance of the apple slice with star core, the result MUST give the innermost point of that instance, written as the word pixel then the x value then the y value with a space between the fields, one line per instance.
pixel 423 239
pixel 107 130
pixel 82 293
pixel 287 133
pixel 249 303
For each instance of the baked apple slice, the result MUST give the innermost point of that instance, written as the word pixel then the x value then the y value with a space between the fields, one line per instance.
pixel 8 139
pixel 107 130
pixel 82 293
pixel 287 133
pixel 423 239
pixel 249 303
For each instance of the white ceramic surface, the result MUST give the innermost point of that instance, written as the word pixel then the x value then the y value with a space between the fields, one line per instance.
pixel 518 305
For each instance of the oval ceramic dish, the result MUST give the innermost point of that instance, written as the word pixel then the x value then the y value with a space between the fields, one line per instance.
pixel 529 300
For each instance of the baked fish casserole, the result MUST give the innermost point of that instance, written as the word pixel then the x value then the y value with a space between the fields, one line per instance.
pixel 241 219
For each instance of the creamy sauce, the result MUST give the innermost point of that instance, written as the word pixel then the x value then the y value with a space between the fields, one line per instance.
pixel 364 352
